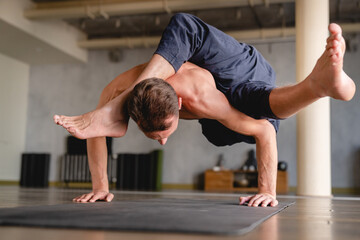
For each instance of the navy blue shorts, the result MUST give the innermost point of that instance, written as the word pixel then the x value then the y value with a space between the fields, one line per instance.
pixel 240 72
pixel 251 98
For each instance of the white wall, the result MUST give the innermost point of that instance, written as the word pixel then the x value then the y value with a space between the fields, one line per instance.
pixel 29 42
pixel 14 80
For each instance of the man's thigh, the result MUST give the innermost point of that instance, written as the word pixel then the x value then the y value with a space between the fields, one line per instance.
pixel 252 98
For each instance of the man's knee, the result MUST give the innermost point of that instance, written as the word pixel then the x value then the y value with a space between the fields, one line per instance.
pixel 183 21
pixel 181 17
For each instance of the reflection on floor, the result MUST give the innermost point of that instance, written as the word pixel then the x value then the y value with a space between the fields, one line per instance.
pixel 309 218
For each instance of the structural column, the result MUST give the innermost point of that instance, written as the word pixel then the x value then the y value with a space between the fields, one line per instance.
pixel 313 123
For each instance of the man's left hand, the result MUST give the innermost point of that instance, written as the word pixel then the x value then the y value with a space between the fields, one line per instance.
pixel 260 199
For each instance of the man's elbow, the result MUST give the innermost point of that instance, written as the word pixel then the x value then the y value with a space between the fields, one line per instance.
pixel 265 130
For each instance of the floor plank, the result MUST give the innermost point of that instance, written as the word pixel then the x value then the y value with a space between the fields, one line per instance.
pixel 309 218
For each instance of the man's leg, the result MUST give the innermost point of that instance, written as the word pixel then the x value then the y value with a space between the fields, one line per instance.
pixel 107 119
pixel 326 79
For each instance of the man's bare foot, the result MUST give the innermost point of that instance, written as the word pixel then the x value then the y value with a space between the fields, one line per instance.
pixel 328 77
pixel 97 123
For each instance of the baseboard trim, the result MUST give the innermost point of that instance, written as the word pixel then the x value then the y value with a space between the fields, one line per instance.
pixel 9 183
pixel 166 186
pixel 176 186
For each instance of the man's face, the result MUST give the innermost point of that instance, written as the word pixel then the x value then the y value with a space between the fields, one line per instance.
pixel 162 136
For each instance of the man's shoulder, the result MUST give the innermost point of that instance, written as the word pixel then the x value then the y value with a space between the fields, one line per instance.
pixel 195 74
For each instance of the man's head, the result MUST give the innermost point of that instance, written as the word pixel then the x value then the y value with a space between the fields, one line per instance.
pixel 154 106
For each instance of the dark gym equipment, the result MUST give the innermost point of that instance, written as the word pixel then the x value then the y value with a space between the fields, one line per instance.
pixel 139 171
pixel 35 170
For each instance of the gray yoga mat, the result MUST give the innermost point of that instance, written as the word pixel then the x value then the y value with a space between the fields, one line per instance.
pixel 155 215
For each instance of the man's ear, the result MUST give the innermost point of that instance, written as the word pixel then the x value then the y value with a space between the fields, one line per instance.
pixel 180 102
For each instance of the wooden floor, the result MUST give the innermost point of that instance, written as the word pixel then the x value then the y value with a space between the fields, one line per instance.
pixel 309 218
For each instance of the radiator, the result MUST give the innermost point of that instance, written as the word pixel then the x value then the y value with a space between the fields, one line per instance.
pixel 140 171
pixel 75 168
pixel 128 171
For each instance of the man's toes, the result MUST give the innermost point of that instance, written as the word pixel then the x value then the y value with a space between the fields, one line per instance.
pixel 56 119
pixel 334 50
pixel 334 29
pixel 330 52
pixel 333 44
pixel 67 123
pixel 59 119
pixel 338 37
pixel 330 38
pixel 338 51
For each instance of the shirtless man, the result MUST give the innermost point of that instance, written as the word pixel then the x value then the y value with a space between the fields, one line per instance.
pixel 204 95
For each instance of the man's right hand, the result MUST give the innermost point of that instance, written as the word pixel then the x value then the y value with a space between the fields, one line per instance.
pixel 94 196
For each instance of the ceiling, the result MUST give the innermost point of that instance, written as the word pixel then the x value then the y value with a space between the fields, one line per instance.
pixel 249 16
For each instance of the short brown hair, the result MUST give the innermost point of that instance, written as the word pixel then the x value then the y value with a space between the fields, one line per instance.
pixel 151 103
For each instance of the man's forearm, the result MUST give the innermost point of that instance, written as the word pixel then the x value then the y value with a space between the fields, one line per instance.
pixel 266 148
pixel 97 157
pixel 266 152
